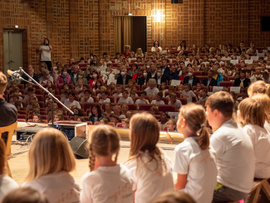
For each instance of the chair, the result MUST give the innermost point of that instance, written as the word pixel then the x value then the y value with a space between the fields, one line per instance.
pixel 145 107
pixel 10 129
pixel 166 108
pixel 260 192
pixel 226 83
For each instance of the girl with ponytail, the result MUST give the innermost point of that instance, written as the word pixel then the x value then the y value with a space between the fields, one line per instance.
pixel 107 181
pixel 194 162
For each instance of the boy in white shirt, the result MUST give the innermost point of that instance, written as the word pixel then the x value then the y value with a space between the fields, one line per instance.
pixel 104 98
pixel 158 100
pixel 125 98
pixel 152 89
pixel 234 151
pixel 142 99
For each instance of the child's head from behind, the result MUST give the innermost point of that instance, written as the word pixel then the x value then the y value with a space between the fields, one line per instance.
pixel 265 101
pixel 191 120
pixel 251 112
pixel 174 197
pixel 104 141
pixel 144 133
pixel 50 153
pixel 25 194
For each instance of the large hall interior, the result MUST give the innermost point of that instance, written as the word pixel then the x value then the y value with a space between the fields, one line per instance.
pixel 146 101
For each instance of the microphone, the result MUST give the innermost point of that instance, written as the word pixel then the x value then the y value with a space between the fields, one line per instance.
pixel 14 74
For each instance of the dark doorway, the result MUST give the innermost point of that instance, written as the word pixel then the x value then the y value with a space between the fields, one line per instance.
pixel 139 33
pixel 130 30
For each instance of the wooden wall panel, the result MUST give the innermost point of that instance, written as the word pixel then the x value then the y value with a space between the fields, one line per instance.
pixel 79 27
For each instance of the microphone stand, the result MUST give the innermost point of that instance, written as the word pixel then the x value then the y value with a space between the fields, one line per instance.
pixel 49 93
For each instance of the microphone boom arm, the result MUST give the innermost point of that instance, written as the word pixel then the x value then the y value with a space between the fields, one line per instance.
pixel 47 91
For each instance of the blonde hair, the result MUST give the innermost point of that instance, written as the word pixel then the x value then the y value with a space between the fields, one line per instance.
pixel 195 118
pixel 265 101
pixel 258 87
pixel 25 194
pixel 144 135
pixel 3 82
pixel 252 112
pixel 174 197
pixel 50 153
pixel 104 141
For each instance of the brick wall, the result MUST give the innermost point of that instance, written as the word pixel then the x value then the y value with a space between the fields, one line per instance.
pixel 78 27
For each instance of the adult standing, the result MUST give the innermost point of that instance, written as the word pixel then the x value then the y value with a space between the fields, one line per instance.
pixel 46 51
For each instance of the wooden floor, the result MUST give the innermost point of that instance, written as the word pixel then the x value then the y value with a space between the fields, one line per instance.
pixel 19 161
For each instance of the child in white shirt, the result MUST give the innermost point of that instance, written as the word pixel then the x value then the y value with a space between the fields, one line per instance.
pixel 158 100
pixel 252 115
pixel 142 99
pixel 51 159
pixel 193 154
pixel 150 166
pixel 107 181
pixel 188 93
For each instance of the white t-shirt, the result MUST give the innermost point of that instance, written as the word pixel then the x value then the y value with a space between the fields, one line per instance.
pixel 161 102
pixel 153 49
pixel 74 103
pixel 45 55
pixel 200 167
pixel 267 126
pixel 177 103
pixel 90 99
pixel 7 185
pixel 235 157
pixel 107 184
pixel 150 182
pixel 139 101
pixel 189 95
pixel 128 100
pixel 261 144
pixel 57 187
pixel 150 91
pixel 104 101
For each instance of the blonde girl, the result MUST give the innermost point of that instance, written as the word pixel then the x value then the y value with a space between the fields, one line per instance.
pixel 7 184
pixel 139 53
pixel 107 181
pixel 194 163
pixel 258 87
pixel 50 162
pixel 252 114
pixel 265 101
pixel 149 165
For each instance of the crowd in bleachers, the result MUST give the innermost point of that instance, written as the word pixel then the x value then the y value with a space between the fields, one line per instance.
pixel 159 82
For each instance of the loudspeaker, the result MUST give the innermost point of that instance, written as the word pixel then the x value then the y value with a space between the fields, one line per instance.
pixel 79 147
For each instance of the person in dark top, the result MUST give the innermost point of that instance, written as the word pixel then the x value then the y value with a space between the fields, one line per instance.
pixel 171 73
pixel 242 81
pixel 123 78
pixel 8 111
pixel 210 81
pixel 191 79
pixel 31 72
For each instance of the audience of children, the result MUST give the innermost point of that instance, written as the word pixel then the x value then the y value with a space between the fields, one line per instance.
pixel 228 179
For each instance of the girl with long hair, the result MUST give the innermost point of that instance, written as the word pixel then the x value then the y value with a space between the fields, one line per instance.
pixel 50 162
pixel 149 165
